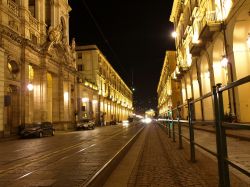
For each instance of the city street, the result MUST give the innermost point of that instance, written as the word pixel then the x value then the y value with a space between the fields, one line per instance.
pixel 67 159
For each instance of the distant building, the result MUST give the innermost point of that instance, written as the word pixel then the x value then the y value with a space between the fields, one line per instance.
pixel 213 43
pixel 37 80
pixel 168 90
pixel 113 98
pixel 150 113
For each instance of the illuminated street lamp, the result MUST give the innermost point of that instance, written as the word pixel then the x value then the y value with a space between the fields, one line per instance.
pixel 174 34
pixel 248 41
pixel 85 99
pixel 30 86
pixel 224 62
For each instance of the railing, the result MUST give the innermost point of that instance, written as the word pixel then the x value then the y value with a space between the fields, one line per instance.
pixel 34 22
pixel 13 7
pixel 220 127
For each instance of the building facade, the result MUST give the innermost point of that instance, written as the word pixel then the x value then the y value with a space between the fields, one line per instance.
pixel 168 89
pixel 213 46
pixel 37 64
pixel 111 99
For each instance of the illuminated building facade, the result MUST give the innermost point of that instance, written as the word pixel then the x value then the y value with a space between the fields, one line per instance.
pixel 150 113
pixel 112 99
pixel 213 46
pixel 38 66
pixel 168 89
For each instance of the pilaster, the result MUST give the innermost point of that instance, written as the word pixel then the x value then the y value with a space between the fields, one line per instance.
pixel 2 60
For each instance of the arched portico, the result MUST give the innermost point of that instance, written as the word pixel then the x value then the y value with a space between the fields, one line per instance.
pixel 206 88
pixel 241 52
pixel 220 71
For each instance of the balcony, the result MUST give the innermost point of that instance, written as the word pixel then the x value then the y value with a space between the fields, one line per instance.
pixel 209 25
pixel 195 48
pixel 13 7
pixel 34 22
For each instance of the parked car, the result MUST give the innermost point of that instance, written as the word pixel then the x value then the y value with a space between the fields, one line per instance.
pixel 38 129
pixel 85 124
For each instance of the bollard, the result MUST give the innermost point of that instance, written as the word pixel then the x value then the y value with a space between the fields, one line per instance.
pixel 191 130
pixel 221 143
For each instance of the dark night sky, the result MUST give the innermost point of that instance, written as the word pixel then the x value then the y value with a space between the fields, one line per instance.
pixel 133 35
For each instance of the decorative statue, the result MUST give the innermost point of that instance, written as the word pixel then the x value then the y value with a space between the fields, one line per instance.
pixel 55 34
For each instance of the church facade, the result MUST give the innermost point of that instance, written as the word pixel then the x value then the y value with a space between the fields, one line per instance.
pixel 37 64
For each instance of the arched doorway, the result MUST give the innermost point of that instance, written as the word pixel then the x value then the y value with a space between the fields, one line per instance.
pixel 242 59
pixel 13 109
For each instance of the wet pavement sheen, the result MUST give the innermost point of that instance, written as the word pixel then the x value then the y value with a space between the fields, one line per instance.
pixel 67 159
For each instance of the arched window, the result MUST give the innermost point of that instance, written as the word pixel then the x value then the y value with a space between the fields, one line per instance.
pixel 32 7
pixel 48 12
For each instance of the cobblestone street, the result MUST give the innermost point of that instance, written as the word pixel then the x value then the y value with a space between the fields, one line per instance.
pixel 160 163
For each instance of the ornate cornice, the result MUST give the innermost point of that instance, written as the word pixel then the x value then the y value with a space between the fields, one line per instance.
pixel 175 10
pixel 5 31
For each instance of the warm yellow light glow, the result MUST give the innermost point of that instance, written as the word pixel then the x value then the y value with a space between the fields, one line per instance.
pixel 147 120
pixel 248 41
pixel 125 123
pixel 85 99
pixel 207 74
pixel 94 101
pixel 66 96
pixel 174 34
pixel 30 86
pixel 31 73
pixel 223 8
pixel 224 62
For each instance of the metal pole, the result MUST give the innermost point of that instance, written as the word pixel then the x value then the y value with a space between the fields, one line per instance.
pixel 169 130
pixel 220 138
pixel 173 129
pixel 191 130
pixel 179 128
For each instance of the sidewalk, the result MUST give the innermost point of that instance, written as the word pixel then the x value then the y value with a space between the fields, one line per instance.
pixel 235 133
pixel 154 160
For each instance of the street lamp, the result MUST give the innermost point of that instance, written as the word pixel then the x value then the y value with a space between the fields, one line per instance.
pixel 30 86
pixel 85 99
pixel 248 40
pixel 174 34
pixel 225 63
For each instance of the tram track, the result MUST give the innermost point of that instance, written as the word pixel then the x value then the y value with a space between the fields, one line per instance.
pixel 61 153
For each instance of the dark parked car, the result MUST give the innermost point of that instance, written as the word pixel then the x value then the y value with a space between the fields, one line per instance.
pixel 85 124
pixel 38 129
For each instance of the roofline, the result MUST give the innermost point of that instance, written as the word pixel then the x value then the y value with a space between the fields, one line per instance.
pixel 175 8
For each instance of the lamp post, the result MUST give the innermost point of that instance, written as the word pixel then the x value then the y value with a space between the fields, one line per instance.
pixel 228 65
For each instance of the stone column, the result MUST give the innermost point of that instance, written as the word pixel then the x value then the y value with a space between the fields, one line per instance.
pixel 2 59
pixel 61 96
pixel 44 95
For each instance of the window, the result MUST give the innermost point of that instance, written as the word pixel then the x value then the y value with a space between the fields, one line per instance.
pixel 47 13
pixel 32 7
pixel 80 67
pixel 34 39
pixel 79 55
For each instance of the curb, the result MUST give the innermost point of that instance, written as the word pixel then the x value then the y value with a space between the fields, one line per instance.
pixel 101 175
pixel 228 134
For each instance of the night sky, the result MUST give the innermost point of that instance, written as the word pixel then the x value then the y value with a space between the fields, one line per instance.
pixel 133 35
